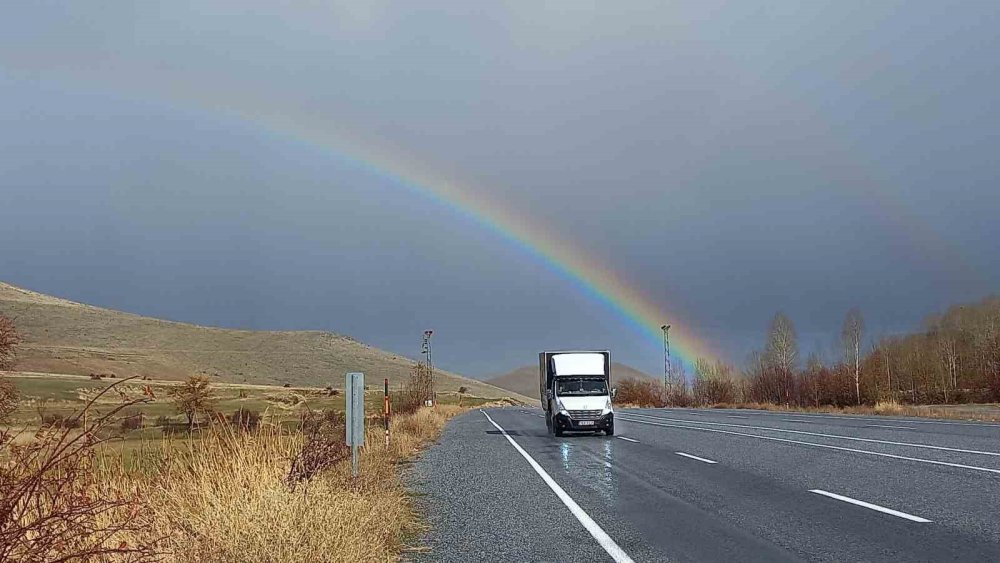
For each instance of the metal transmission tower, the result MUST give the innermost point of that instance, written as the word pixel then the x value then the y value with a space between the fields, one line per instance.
pixel 667 368
pixel 428 360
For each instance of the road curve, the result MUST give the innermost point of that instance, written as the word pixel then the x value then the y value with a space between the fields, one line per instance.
pixel 711 485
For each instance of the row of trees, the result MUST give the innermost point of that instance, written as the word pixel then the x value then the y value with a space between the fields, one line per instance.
pixel 955 357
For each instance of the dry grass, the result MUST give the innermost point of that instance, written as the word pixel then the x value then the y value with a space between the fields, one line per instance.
pixel 61 336
pixel 225 498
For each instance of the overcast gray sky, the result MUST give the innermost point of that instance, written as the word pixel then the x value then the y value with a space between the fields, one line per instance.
pixel 727 159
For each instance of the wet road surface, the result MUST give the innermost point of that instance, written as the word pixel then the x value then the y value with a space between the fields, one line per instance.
pixel 711 485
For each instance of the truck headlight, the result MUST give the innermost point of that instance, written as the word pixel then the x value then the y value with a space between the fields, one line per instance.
pixel 607 407
pixel 561 407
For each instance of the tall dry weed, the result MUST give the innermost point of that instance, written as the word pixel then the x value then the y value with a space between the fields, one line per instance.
pixel 226 498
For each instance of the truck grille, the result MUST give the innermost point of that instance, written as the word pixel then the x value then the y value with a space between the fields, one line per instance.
pixel 585 415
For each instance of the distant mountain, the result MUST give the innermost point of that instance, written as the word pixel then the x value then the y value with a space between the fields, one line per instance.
pixel 65 337
pixel 524 381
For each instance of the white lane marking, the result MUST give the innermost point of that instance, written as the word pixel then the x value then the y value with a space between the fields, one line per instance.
pixel 871 506
pixel 609 545
pixel 884 418
pixel 795 421
pixel 628 439
pixel 822 435
pixel 839 448
pixel 734 416
pixel 889 426
pixel 696 457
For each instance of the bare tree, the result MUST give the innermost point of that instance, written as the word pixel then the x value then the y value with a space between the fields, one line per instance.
pixel 193 397
pixel 9 340
pixel 782 350
pixel 851 335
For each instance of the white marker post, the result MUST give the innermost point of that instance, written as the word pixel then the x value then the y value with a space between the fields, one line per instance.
pixel 355 406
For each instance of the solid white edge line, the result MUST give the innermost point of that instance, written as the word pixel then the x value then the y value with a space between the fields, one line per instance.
pixel 814 444
pixel 609 545
pixel 628 439
pixel 849 417
pixel 888 426
pixel 871 506
pixel 821 435
pixel 696 457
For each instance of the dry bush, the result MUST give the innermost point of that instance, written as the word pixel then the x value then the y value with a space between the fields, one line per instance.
pixel 418 389
pixel 9 341
pixel 9 398
pixel 132 420
pixel 245 419
pixel 323 447
pixel 632 391
pixel 53 506
pixel 712 391
pixel 51 420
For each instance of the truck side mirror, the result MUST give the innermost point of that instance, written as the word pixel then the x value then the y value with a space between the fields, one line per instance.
pixel 614 391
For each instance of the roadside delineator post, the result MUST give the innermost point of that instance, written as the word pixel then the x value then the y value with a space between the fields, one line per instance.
pixel 355 406
pixel 385 412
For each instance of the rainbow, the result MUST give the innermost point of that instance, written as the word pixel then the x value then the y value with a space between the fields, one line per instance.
pixel 597 281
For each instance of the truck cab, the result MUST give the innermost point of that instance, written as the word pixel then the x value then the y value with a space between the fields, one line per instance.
pixel 576 393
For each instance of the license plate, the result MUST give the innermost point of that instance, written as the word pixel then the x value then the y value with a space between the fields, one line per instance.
pixel 586 423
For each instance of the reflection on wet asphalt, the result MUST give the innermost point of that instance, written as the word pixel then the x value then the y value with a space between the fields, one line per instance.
pixel 589 460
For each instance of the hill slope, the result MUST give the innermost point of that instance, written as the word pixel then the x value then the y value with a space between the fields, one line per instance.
pixel 71 338
pixel 524 381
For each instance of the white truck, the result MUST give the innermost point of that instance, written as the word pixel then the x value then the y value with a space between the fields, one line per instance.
pixel 574 387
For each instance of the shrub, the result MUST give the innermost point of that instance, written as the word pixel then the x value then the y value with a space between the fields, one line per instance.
pixel 418 389
pixel 51 420
pixel 641 393
pixel 714 391
pixel 132 420
pixel 52 506
pixel 9 341
pixel 245 418
pixel 324 446
pixel 9 398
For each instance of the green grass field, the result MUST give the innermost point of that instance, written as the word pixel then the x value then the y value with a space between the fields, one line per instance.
pixel 63 395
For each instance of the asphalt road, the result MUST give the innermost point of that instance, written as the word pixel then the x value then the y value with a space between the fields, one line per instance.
pixel 712 485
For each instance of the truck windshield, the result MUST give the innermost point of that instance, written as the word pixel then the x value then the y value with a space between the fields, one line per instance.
pixel 581 386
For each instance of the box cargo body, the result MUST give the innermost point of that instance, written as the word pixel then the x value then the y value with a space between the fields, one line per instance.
pixel 574 387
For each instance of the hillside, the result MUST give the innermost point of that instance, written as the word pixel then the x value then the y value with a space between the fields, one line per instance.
pixel 72 338
pixel 524 380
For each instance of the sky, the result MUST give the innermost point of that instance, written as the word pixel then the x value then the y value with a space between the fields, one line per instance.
pixel 380 168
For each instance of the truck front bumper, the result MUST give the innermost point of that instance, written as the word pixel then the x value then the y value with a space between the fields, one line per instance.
pixel 565 422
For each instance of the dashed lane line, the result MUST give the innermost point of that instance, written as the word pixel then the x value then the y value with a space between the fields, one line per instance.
pixel 815 445
pixel 871 506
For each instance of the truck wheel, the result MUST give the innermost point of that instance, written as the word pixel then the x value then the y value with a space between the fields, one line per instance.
pixel 610 430
pixel 558 431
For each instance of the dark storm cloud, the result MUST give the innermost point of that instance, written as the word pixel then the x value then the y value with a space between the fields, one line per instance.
pixel 730 160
